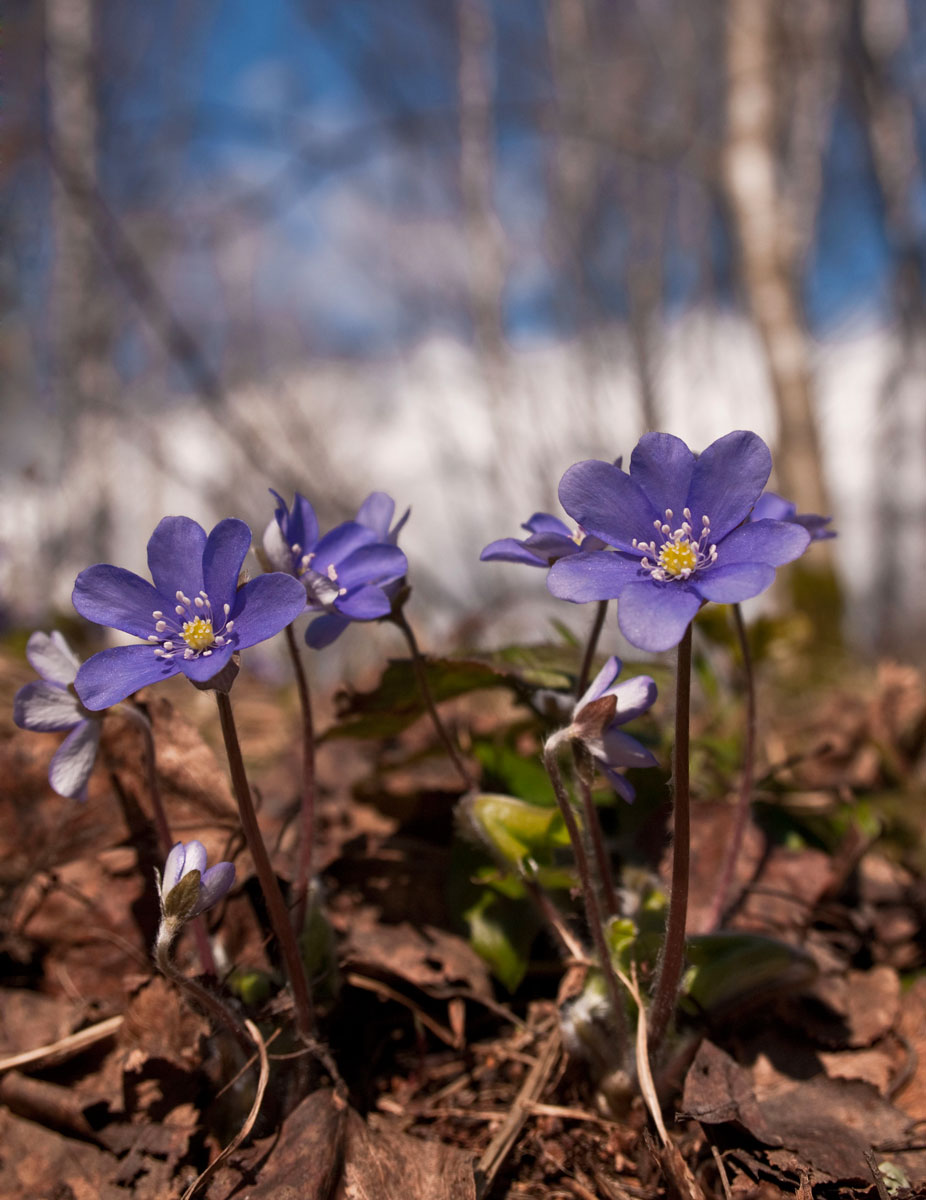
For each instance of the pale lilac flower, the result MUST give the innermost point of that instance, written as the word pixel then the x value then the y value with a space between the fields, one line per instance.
pixel 192 619
pixel 50 704
pixel 212 886
pixel 615 748
pixel 704 549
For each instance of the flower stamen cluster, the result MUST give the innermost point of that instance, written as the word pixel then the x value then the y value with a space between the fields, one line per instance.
pixel 680 555
pixel 195 625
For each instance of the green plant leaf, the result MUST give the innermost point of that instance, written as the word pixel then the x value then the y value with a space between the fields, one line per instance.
pixel 501 931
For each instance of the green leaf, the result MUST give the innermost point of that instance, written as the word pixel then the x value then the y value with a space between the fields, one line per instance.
pixel 513 830
pixel 507 770
pixel 732 970
pixel 502 931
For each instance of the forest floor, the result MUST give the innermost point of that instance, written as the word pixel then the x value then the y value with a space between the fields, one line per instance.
pixel 430 1080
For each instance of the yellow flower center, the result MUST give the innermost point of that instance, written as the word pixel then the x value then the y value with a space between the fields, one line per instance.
pixel 198 633
pixel 678 557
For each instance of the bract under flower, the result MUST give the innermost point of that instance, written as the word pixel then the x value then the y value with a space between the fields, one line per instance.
pixel 614 748
pixel 550 540
pixel 50 704
pixel 192 619
pixel 704 547
pixel 210 887
pixel 346 573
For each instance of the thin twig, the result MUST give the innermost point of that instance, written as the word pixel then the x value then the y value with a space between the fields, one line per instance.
pixel 65 1047
pixel 249 1120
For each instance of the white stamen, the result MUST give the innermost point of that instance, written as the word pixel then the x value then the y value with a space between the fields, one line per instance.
pixel 168 645
pixel 179 610
pixel 198 601
pixel 226 608
pixel 161 626
pixel 157 613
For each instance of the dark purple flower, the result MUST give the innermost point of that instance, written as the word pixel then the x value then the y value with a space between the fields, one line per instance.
pixel 193 617
pixel 50 704
pixel 346 573
pixel 704 548
pixel 550 540
pixel 772 507
pixel 376 513
pixel 617 749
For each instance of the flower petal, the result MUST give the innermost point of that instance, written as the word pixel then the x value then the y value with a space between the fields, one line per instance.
pixel 772 507
pixel 52 657
pixel 510 550
pixel 46 708
pixel 622 750
pixel 606 502
pixel 278 553
pixel 113 596
pixel 727 480
pixel 364 604
pixel 339 542
pixel 551 546
pixel 376 513
pixel 736 582
pixel 173 868
pixel 214 884
pixel 772 542
pixel 602 681
pixel 73 761
pixel 655 616
pixel 222 557
pixel 299 526
pixel 202 668
pixel 264 606
pixel 634 696
pixel 662 465
pixel 542 522
pixel 111 675
pixel 594 575
pixel 622 786
pixel 323 631
pixel 194 858
pixel 175 556
pixel 378 563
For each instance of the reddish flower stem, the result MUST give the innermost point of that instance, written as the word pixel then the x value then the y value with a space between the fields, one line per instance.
pixel 307 805
pixel 276 908
pixel 673 949
pixel 595 836
pixel 735 845
pixel 590 647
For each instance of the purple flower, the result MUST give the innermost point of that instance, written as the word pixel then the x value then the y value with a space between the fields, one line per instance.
pixel 346 574
pixel 550 540
pixel 770 506
pixel 704 549
pixel 616 749
pixel 50 704
pixel 192 619
pixel 187 890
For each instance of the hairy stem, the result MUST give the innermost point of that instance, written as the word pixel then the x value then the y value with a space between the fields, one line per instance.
pixel 205 998
pixel 595 833
pixel 421 674
pixel 735 845
pixel 276 908
pixel 673 950
pixel 165 838
pixel 590 647
pixel 307 806
pixel 589 895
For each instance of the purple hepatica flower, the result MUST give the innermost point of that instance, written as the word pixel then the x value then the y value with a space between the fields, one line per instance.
pixel 550 540
pixel 770 506
pixel 376 513
pixel 615 748
pixel 704 548
pixel 213 884
pixel 50 704
pixel 192 619
pixel 346 574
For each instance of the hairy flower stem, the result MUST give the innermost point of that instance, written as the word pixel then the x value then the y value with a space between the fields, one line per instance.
pixel 307 807
pixel 595 833
pixel 590 647
pixel 735 845
pixel 589 893
pixel 165 838
pixel 276 908
pixel 673 949
pixel 421 674
pixel 205 998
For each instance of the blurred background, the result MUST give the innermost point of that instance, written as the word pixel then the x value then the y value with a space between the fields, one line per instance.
pixel 446 250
